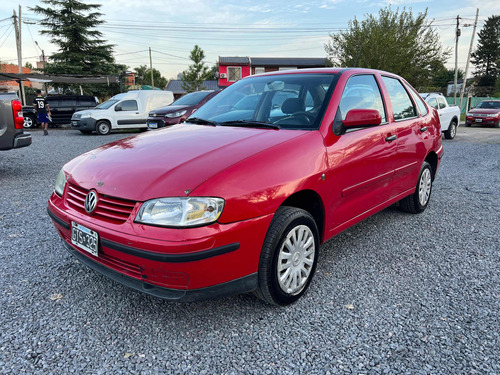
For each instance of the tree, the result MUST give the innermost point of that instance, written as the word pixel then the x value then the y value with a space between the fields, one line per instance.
pixel 71 25
pixel 29 65
pixel 143 77
pixel 394 41
pixel 440 76
pixel 486 57
pixel 193 77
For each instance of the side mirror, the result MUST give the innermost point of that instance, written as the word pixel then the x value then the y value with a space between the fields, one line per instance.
pixel 118 108
pixel 357 118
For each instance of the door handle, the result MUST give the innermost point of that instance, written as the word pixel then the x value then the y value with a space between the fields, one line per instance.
pixel 391 138
pixel 423 129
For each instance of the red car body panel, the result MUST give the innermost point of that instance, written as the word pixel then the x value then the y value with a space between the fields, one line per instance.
pixel 255 170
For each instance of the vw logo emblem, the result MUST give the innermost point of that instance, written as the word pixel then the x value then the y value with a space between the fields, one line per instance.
pixel 91 202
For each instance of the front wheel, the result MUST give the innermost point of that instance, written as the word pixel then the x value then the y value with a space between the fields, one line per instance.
pixel 418 201
pixel 452 130
pixel 103 127
pixel 289 256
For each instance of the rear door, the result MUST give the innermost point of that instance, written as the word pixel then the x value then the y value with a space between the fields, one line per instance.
pixel 410 129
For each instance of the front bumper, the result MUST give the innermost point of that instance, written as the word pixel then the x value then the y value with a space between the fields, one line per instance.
pixel 161 122
pixel 87 124
pixel 482 121
pixel 175 264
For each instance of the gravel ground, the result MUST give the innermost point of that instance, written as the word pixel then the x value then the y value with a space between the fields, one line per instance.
pixel 396 294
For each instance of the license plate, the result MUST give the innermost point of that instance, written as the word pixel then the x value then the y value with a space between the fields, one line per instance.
pixel 479 120
pixel 152 125
pixel 84 238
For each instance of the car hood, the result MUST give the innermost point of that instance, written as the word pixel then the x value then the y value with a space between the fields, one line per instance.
pixel 486 111
pixel 170 109
pixel 169 162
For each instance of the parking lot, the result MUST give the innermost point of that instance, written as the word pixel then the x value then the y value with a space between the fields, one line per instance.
pixel 397 293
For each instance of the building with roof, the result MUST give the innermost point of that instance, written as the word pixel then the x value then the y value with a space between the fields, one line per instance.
pixel 175 85
pixel 234 68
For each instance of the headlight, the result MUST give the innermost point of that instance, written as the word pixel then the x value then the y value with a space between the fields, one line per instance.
pixel 180 212
pixel 86 115
pixel 60 183
pixel 492 115
pixel 176 114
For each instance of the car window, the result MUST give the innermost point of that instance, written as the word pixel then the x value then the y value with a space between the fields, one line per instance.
pixel 402 105
pixel 53 102
pixel 68 102
pixel 192 98
pixel 127 105
pixel 433 103
pixel 420 102
pixel 248 102
pixel 362 92
pixel 291 101
pixel 489 104
pixel 86 102
pixel 441 101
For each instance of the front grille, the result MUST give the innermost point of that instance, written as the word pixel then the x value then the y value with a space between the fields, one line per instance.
pixel 111 209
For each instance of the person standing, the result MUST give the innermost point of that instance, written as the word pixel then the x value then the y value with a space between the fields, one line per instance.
pixel 42 110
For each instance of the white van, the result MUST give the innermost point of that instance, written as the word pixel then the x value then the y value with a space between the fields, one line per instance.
pixel 123 111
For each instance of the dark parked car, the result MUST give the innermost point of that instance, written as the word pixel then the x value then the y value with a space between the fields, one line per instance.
pixel 62 108
pixel 12 134
pixel 486 112
pixel 179 110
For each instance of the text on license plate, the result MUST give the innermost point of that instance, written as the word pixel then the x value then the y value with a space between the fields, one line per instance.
pixel 479 120
pixel 84 238
pixel 152 125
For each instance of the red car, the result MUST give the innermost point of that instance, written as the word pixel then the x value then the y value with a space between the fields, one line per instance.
pixel 239 200
pixel 486 112
pixel 179 110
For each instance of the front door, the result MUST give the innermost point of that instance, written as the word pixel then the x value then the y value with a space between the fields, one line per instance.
pixel 364 170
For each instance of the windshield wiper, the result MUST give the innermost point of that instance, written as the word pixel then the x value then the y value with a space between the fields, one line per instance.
pixel 250 123
pixel 200 121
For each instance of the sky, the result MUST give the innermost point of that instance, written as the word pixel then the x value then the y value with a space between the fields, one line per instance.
pixel 275 28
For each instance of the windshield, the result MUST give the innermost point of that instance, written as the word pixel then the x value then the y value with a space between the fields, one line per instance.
pixel 288 101
pixel 489 105
pixel 106 104
pixel 192 98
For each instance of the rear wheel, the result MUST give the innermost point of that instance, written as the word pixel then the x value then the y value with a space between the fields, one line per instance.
pixel 30 121
pixel 452 130
pixel 103 127
pixel 418 201
pixel 289 256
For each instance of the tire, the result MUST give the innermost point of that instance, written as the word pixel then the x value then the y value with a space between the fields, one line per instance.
pixel 452 130
pixel 291 250
pixel 86 131
pixel 418 201
pixel 103 127
pixel 30 122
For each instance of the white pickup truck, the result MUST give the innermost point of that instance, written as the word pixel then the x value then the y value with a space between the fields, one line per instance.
pixel 448 115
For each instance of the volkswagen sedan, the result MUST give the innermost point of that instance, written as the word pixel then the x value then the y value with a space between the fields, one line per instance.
pixel 227 204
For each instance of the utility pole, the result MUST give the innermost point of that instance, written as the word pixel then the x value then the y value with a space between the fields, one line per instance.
pixel 17 29
pixel 151 68
pixel 468 61
pixel 457 35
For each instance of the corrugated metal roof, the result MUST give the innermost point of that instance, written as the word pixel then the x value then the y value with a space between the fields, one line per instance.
pixel 234 60
pixel 175 86
pixel 289 61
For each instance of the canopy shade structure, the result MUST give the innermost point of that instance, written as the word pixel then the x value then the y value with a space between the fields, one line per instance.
pixel 67 78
